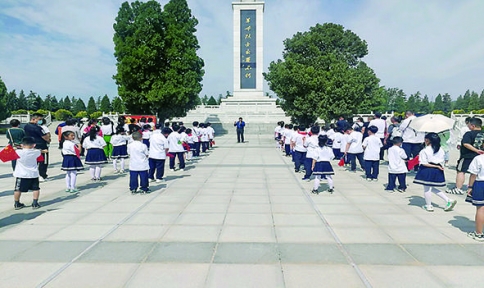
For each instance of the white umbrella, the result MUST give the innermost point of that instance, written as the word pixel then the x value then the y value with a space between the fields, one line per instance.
pixel 432 123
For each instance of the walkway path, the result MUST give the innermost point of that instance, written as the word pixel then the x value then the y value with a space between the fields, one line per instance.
pixel 239 217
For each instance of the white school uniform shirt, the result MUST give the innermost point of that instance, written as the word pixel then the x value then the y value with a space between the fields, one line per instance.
pixel 68 148
pixel 355 139
pixel 204 135
pixel 293 136
pixel 381 125
pixel 324 154
pixel 277 130
pixel 184 137
pixel 322 132
pixel 337 138
pixel 196 134
pixel 287 134
pixel 98 143
pixel 191 138
pixel 27 164
pixel 175 143
pixel 372 146
pixel 146 134
pixel 120 140
pixel 477 167
pixel 211 132
pixel 158 144
pixel 298 140
pixel 427 156
pixel 330 133
pixel 138 156
pixel 396 165
pixel 107 129
pixel 409 135
pixel 312 146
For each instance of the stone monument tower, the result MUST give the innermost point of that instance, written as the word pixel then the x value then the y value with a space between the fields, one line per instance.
pixel 248 101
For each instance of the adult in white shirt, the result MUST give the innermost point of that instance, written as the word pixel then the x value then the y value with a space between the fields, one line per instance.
pixel 157 155
pixel 175 147
pixel 382 129
pixel 412 140
pixel 354 148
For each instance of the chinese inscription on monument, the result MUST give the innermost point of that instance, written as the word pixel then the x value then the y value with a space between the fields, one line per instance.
pixel 248 49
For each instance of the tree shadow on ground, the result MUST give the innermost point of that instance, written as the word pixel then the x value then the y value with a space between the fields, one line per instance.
pixel 114 176
pixel 168 178
pixel 93 185
pixel 56 177
pixel 59 199
pixel 6 193
pixel 464 224
pixel 9 175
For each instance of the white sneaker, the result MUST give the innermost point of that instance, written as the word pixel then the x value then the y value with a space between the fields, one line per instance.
pixel 117 171
pixel 450 205
pixel 121 171
pixel 428 208
pixel 160 180
pixel 182 170
pixel 152 180
pixel 41 179
pixel 172 170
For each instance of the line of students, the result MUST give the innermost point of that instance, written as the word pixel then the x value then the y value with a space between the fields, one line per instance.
pixel 146 164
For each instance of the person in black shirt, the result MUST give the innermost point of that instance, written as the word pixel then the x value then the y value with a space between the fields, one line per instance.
pixel 33 129
pixel 15 136
pixel 471 146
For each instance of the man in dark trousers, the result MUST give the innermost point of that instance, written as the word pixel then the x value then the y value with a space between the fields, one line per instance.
pixel 33 129
pixel 240 129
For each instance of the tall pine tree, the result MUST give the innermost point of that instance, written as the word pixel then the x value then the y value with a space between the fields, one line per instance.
pixel 4 111
pixel 438 104
pixel 447 102
pixel 473 102
pixel 105 105
pixel 12 101
pixel 22 100
pixel 67 103
pixel 91 106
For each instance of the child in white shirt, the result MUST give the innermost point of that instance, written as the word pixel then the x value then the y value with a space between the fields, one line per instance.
pixel 95 157
pixel 299 149
pixel 475 191
pixel 337 138
pixel 26 173
pixel 138 165
pixel 71 162
pixel 175 147
pixel 321 165
pixel 146 134
pixel 397 169
pixel 354 148
pixel 286 137
pixel 311 144
pixel 372 146
pixel 157 156
pixel 120 148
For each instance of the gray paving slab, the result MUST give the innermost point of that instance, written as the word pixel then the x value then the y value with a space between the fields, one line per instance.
pixel 241 210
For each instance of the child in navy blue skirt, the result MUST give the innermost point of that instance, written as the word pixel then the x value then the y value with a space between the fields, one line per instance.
pixel 120 148
pixel 322 166
pixel 71 162
pixel 431 172
pixel 475 191
pixel 94 144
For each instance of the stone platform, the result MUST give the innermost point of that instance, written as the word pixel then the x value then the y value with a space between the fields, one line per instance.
pixel 239 217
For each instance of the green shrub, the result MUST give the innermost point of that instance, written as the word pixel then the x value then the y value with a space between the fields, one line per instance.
pixel 96 115
pixel 62 114
pixel 3 130
pixel 458 111
pixel 481 111
pixel 20 111
pixel 439 112
pixel 81 114
pixel 43 112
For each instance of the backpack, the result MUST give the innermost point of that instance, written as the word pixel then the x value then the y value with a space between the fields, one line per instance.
pixel 396 132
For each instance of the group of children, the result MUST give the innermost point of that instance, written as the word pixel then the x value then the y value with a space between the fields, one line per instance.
pixel 147 149
pixel 315 148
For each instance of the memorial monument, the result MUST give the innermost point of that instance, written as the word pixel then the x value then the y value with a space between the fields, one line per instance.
pixel 248 101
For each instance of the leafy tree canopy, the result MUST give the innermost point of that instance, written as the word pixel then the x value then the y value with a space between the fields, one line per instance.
pixel 322 74
pixel 105 105
pixel 91 106
pixel 4 111
pixel 158 70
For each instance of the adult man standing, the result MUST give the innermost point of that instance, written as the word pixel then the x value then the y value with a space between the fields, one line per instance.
pixel 42 139
pixel 240 130
pixel 341 123
pixel 412 140
pixel 382 128
pixel 471 146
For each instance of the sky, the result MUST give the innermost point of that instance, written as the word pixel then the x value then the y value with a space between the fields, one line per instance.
pixel 65 47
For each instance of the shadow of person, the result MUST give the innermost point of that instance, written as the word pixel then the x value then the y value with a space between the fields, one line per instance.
pixel 463 223
pixel 419 201
pixel 18 218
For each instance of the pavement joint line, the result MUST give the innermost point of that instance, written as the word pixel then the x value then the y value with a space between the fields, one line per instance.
pixel 274 229
pixel 339 244
pixel 167 230
pixel 116 226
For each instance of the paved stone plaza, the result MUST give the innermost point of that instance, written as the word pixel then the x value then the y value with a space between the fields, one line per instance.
pixel 239 217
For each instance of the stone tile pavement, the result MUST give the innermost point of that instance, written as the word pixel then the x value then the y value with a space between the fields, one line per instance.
pixel 239 217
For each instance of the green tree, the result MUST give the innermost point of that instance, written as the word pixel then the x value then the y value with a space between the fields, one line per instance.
pixel 80 106
pixel 73 103
pixel 67 104
pixel 414 102
pixel 481 100
pixel 219 99
pixel 322 74
pixel 212 101
pixel 460 103
pixel 12 100
pixel 22 101
pixel 205 99
pixel 447 101
pixel 55 104
pixel 91 106
pixel 4 110
pixel 198 101
pixel 439 103
pixel 105 105
pixel 98 103
pixel 396 100
pixel 81 114
pixel 473 101
pixel 47 103
pixel 161 47
pixel 61 104
pixel 38 102
pixel 31 101
pixel 118 105
pixel 425 105
pixel 62 114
